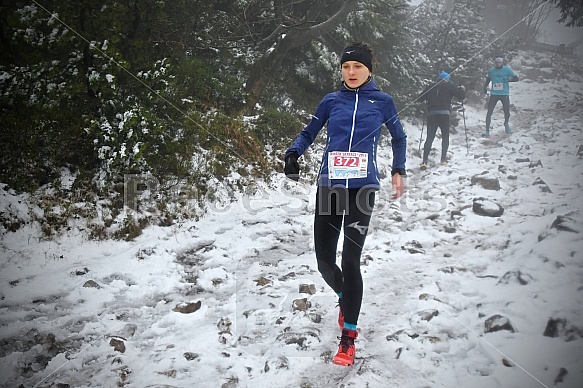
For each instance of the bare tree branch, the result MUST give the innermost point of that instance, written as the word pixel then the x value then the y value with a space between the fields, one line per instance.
pixel 294 37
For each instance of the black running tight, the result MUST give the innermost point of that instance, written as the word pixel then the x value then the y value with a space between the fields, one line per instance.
pixel 433 122
pixel 350 210
pixel 492 103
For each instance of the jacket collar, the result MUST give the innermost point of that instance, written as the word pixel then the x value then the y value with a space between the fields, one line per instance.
pixel 367 85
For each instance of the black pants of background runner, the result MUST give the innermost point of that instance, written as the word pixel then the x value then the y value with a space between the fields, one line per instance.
pixel 433 122
pixel 352 208
pixel 505 106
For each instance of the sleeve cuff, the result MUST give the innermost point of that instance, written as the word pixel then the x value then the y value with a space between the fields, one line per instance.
pixel 400 171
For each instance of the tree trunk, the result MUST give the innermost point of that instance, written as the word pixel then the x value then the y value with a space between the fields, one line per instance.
pixel 268 65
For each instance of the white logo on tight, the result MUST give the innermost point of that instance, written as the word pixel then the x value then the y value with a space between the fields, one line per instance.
pixel 361 229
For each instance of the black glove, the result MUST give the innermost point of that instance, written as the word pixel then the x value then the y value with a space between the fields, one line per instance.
pixel 292 167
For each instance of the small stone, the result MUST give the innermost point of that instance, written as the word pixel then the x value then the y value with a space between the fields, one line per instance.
pixel 562 373
pixel 555 326
pixel 516 276
pixel 398 353
pixel 170 373
pixel 452 269
pixel 497 323
pixel 81 272
pixel 224 326
pixel 562 223
pixel 543 186
pixel 487 208
pixel 488 183
pixel 449 229
pixel 414 247
pixel 316 318
pixel 456 213
pixel 91 284
pixel 301 304
pixel 187 308
pixel 428 315
pixel 118 345
pixel 262 281
pixel 307 289
pixel 190 356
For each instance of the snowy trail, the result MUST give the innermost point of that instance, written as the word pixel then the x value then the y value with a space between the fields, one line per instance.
pixel 235 299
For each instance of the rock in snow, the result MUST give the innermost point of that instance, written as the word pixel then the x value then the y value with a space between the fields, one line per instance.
pixel 497 323
pixel 487 208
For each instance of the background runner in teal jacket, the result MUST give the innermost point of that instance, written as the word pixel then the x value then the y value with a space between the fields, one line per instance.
pixel 500 76
pixel 349 179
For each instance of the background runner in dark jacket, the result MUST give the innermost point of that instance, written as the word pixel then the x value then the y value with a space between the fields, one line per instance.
pixel 438 96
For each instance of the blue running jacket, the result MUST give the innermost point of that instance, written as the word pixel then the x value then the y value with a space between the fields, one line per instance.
pixel 355 118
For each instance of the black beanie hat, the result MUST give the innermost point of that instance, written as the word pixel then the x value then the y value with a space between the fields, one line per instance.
pixel 357 53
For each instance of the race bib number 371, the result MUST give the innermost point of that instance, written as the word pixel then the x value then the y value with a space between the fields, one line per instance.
pixel 347 165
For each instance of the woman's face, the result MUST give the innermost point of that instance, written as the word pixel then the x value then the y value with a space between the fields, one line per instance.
pixel 354 73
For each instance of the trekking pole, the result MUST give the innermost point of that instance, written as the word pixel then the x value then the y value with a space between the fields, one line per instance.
pixel 421 137
pixel 465 128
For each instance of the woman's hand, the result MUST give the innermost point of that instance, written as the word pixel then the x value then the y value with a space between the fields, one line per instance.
pixel 398 186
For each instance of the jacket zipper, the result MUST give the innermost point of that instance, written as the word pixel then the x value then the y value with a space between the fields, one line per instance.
pixel 353 125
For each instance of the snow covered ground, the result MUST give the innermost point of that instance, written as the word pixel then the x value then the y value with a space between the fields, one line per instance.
pixel 452 298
